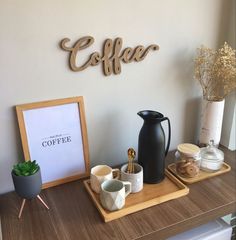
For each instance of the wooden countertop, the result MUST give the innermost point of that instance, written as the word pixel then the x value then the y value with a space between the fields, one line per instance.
pixel 72 215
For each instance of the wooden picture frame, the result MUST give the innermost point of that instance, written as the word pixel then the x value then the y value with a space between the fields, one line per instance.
pixel 54 134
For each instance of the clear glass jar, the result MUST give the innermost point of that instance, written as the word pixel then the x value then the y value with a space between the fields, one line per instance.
pixel 187 160
pixel 212 158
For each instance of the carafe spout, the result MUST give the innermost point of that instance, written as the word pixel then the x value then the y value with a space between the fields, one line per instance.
pixel 150 115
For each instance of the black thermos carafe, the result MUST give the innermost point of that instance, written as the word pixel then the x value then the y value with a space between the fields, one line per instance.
pixel 151 146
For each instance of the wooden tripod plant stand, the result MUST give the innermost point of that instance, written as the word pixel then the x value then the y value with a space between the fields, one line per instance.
pixel 28 187
pixel 23 204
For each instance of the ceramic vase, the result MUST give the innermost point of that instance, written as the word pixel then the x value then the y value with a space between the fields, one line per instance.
pixel 211 121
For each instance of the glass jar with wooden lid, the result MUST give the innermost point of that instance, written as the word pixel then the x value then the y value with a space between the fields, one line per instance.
pixel 187 160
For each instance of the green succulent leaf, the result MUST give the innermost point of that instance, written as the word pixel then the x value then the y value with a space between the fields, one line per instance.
pixel 26 168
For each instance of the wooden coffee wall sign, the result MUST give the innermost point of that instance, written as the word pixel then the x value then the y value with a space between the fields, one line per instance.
pixel 111 56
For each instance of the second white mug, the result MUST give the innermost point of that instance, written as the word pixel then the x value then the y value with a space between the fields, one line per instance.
pixel 135 178
pixel 113 194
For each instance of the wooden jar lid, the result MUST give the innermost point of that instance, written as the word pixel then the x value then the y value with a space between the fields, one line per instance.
pixel 188 149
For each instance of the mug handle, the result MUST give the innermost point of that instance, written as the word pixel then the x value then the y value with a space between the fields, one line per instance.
pixel 117 171
pixel 127 187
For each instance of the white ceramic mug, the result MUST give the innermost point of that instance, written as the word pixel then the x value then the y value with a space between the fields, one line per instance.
pixel 99 174
pixel 113 194
pixel 135 178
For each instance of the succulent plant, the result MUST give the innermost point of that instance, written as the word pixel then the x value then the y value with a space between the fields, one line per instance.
pixel 26 168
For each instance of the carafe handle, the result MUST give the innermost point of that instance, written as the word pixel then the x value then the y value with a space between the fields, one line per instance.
pixel 169 135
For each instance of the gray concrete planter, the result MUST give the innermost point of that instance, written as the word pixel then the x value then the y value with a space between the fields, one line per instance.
pixel 28 187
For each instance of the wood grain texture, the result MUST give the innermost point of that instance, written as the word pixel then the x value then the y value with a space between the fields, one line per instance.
pixel 80 44
pixel 151 195
pixel 111 56
pixel 73 216
pixel 202 174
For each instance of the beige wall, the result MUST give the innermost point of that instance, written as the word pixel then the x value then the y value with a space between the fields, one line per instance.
pixel 34 68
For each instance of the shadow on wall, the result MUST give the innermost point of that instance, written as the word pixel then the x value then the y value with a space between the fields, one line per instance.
pixel 109 139
pixel 184 66
pixel 14 152
pixel 227 23
pixel 192 120
pixel 229 111
pixel 16 132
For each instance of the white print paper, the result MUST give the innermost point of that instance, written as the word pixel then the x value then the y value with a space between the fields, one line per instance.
pixel 55 140
pixel 211 121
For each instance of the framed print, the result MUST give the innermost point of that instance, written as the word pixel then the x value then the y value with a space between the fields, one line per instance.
pixel 54 134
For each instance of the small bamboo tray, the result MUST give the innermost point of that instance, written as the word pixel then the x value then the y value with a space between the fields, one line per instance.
pixel 201 176
pixel 152 194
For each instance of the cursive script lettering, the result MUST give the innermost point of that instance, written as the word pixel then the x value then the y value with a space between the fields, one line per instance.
pixel 110 57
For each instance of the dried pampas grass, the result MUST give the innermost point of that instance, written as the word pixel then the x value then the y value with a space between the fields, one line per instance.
pixel 216 71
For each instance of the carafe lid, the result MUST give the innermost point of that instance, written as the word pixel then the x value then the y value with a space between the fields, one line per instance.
pixel 212 153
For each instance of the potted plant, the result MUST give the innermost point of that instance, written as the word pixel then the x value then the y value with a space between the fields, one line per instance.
pixel 216 73
pixel 27 181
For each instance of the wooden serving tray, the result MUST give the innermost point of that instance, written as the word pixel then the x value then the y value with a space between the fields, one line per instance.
pixel 201 176
pixel 152 194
